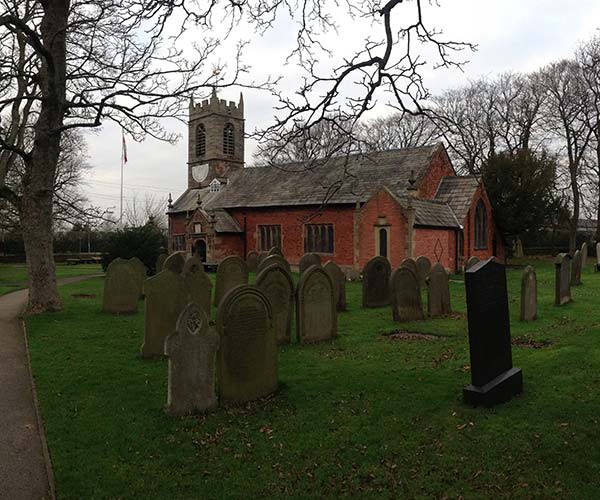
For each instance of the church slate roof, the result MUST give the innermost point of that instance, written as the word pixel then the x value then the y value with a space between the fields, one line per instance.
pixel 429 213
pixel 458 192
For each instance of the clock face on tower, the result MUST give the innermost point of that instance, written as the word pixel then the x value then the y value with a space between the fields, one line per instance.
pixel 199 172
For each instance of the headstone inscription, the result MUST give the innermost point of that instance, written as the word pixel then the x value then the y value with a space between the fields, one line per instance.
pixel 276 283
pixel 423 268
pixel 121 288
pixel 562 280
pixel 471 262
pixel 316 316
pixel 192 352
pixel 166 297
pixel 376 283
pixel 197 284
pixel 252 261
pixel 338 279
pixel 307 260
pixel 175 262
pixel 406 295
pixel 493 378
pixel 528 294
pixel 232 271
pixel 160 262
pixel 584 254
pixel 274 259
pixel 438 292
pixel 576 269
pixel 247 359
pixel 141 272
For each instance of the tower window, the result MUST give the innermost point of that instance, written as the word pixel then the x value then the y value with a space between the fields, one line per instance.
pixel 481 231
pixel 215 186
pixel 200 140
pixel 228 142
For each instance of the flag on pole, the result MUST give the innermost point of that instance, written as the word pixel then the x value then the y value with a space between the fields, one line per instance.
pixel 124 148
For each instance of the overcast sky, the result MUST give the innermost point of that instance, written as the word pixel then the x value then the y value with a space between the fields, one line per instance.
pixel 512 35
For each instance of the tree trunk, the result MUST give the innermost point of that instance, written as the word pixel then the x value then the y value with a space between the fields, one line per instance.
pixel 598 201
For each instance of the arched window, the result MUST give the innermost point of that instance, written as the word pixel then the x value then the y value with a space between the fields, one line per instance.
pixel 228 143
pixel 383 242
pixel 200 140
pixel 481 229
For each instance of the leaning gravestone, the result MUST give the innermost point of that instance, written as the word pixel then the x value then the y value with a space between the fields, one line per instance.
pixel 584 255
pixel 493 378
pixel 160 262
pixel 438 292
pixel 166 297
pixel 308 260
pixel 406 295
pixel 140 269
pixel 252 261
pixel 316 316
pixel 121 288
pixel 276 283
pixel 192 352
pixel 423 268
pixel 576 269
pixel 175 262
pixel 274 259
pixel 232 271
pixel 274 251
pixel 376 283
pixel 247 358
pixel 562 280
pixel 471 262
pixel 338 278
pixel 528 294
pixel 197 284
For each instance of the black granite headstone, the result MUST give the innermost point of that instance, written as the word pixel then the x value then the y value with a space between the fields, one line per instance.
pixel 493 378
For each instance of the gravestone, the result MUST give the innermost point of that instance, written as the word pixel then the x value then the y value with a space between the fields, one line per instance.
pixel 528 294
pixel 140 269
pixel 316 316
pixel 232 271
pixel 584 255
pixel 493 378
pixel 166 297
pixel 423 268
pixel 471 262
pixel 252 261
pixel 338 278
pixel 438 292
pixel 197 284
pixel 160 262
pixel 262 256
pixel 247 359
pixel 519 253
pixel 276 283
pixel 192 352
pixel 274 259
pixel 121 288
pixel 406 295
pixel 411 264
pixel 376 283
pixel 308 260
pixel 175 262
pixel 562 280
pixel 275 251
pixel 576 269
pixel 597 256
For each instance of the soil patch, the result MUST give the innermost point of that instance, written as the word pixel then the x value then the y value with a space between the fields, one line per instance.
pixel 398 335
pixel 530 343
pixel 84 295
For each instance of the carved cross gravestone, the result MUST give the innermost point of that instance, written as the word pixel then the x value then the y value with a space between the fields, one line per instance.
pixel 307 260
pixel 175 262
pixel 232 271
pixel 406 295
pixel 192 352
pixel 316 316
pixel 252 261
pixel 528 294
pixel 247 359
pixel 338 278
pixel 121 288
pixel 197 283
pixel 493 378
pixel 140 269
pixel 274 259
pixel 276 283
pixel 438 292
pixel 160 262
pixel 562 280
pixel 423 268
pixel 576 269
pixel 166 296
pixel 471 262
pixel 376 283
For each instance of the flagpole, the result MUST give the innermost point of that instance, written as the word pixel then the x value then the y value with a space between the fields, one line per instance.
pixel 121 204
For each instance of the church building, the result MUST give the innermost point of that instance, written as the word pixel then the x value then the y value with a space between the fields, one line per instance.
pixel 397 203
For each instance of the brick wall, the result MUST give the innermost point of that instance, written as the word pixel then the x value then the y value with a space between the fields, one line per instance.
pixel 440 167
pixel 428 238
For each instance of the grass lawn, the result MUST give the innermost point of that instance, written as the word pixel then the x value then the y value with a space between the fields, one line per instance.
pixel 360 417
pixel 14 276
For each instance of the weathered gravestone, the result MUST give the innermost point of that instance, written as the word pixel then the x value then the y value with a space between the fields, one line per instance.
pixel 518 250
pixel 316 316
pixel 438 292
pixel 528 294
pixel 576 269
pixel 232 271
pixel 166 297
pixel 274 251
pixel 160 262
pixel 252 261
pixel 584 255
pixel 140 269
pixel 423 268
pixel 562 280
pixel 175 262
pixel 192 352
pixel 493 378
pixel 121 288
pixel 410 264
pixel 308 260
pixel 276 283
pixel 471 262
pixel 274 259
pixel 406 295
pixel 597 256
pixel 262 256
pixel 338 278
pixel 197 284
pixel 376 283
pixel 247 359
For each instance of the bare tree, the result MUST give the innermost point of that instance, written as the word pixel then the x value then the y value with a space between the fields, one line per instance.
pixel 150 207
pixel 397 132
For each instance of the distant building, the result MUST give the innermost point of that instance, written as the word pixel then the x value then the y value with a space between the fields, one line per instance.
pixel 398 203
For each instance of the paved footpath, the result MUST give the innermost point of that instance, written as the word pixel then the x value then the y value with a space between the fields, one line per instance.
pixel 25 470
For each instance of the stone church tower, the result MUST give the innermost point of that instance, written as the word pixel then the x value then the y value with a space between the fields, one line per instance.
pixel 216 140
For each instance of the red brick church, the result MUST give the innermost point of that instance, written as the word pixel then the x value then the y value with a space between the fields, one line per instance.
pixel 398 203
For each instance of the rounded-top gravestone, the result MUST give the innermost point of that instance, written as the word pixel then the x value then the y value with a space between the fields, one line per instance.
pixel 276 283
pixel 316 315
pixel 411 264
pixel 406 295
pixel 160 262
pixel 140 269
pixel 471 262
pixel 338 278
pixel 262 256
pixel 197 283
pixel 584 254
pixel 274 259
pixel 562 279
pixel 576 269
pixel 528 294
pixel 376 283
pixel 423 268
pixel 308 260
pixel 252 261
pixel 175 262
pixel 438 292
pixel 121 288
pixel 232 271
pixel 274 251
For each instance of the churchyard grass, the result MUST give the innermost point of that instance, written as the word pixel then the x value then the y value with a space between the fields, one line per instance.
pixel 14 276
pixel 362 416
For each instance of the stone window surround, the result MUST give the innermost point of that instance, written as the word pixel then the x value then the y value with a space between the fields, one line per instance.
pixel 382 223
